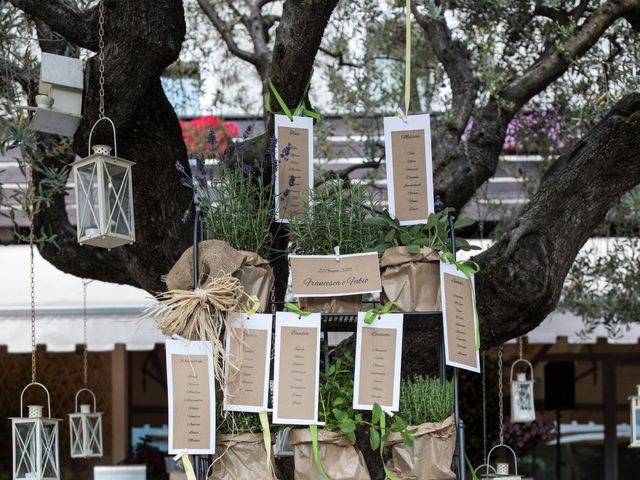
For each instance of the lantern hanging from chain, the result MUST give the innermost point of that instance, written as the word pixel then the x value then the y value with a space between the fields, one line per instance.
pixel 522 396
pixel 35 438
pixel 103 182
pixel 85 423
pixel 59 100
pixel 634 402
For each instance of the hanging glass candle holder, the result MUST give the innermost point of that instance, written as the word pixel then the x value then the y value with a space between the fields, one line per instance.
pixel 35 442
pixel 522 398
pixel 104 196
pixel 85 427
pixel 634 401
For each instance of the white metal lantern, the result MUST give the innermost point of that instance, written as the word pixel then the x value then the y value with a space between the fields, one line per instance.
pixel 501 469
pixel 59 103
pixel 634 401
pixel 104 196
pixel 35 442
pixel 85 429
pixel 522 398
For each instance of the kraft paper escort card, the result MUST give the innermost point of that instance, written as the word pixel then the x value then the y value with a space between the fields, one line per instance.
pixel 247 382
pixel 459 317
pixel 294 169
pixel 296 374
pixel 332 275
pixel 409 168
pixel 378 358
pixel 191 395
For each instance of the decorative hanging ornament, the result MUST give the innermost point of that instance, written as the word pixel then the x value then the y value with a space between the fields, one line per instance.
pixel 104 196
pixel 86 429
pixel 59 99
pixel 35 442
pixel 634 401
pixel 523 409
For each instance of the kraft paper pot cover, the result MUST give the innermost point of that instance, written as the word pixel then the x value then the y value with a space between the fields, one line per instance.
pixel 411 280
pixel 341 304
pixel 431 455
pixel 241 456
pixel 217 258
pixel 341 460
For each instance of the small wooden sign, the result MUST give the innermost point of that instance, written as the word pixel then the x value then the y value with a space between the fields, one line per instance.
pixel 191 397
pixel 248 349
pixel 294 168
pixel 459 317
pixel 332 275
pixel 409 168
pixel 378 359
pixel 296 375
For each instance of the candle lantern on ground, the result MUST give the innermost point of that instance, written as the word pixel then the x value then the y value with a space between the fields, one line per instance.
pixel 104 196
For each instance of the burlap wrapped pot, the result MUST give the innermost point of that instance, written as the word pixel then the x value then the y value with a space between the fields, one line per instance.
pixel 430 456
pixel 216 258
pixel 241 457
pixel 341 304
pixel 411 280
pixel 341 460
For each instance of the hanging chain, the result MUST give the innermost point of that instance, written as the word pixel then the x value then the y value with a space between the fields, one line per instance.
pixel 85 353
pixel 32 241
pixel 500 396
pixel 101 56
pixel 273 299
pixel 520 347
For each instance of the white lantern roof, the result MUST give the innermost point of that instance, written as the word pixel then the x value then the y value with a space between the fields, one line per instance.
pixel 58 70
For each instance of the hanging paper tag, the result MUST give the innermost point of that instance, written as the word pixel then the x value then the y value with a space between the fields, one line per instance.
pixel 460 320
pixel 323 276
pixel 294 169
pixel 296 373
pixel 378 358
pixel 247 371
pixel 191 397
pixel 409 168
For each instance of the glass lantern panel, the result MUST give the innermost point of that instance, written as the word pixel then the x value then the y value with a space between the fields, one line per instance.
pixel 76 436
pixel 25 449
pixel 637 429
pixel 94 434
pixel 88 199
pixel 118 200
pixel 523 401
pixel 50 450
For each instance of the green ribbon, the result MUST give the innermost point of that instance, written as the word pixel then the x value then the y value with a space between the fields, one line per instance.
pixel 374 313
pixel 383 433
pixel 407 60
pixel 316 454
pixel 266 438
pixel 300 109
pixel 468 268
pixel 293 308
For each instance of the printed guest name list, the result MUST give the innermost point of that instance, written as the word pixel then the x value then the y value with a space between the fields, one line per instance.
pixel 377 365
pixel 410 175
pixel 293 171
pixel 191 407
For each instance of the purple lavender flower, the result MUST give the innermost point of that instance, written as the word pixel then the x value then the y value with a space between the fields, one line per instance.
pixel 247 169
pixel 286 151
pixel 200 163
pixel 286 193
pixel 179 166
pixel 186 182
pixel 272 146
pixel 247 131
pixel 212 139
pixel 292 180
pixel 186 216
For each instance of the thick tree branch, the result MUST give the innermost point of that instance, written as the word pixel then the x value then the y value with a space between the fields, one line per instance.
pixel 77 26
pixel 457 63
pixel 555 62
pixel 226 33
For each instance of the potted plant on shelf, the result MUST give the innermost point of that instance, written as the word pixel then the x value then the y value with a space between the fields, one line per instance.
pixel 410 259
pixel 335 217
pixel 240 448
pixel 337 456
pixel 427 405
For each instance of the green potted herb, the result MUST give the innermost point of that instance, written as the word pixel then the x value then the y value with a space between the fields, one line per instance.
pixel 335 217
pixel 240 447
pixel 338 457
pixel 410 259
pixel 427 405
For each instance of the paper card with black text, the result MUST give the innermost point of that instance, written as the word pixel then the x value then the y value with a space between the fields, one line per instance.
pixel 191 397
pixel 294 166
pixel 460 318
pixel 378 358
pixel 296 374
pixel 409 168
pixel 248 347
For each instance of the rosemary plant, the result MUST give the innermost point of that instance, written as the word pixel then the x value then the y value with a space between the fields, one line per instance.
pixel 237 422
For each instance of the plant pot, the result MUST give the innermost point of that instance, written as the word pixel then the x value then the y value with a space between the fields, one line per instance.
pixel 240 456
pixel 341 460
pixel 411 280
pixel 341 304
pixel 256 277
pixel 430 456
